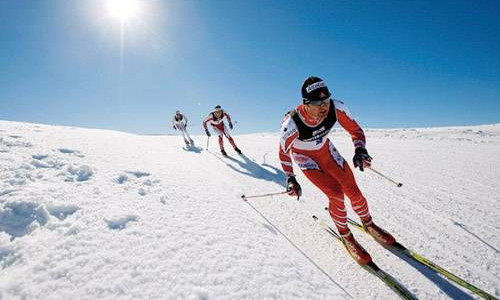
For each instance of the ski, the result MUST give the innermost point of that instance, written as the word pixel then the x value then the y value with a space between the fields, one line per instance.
pixel 424 261
pixel 371 267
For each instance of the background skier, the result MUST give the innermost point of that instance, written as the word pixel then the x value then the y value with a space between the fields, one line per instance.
pixel 215 118
pixel 180 121
pixel 304 136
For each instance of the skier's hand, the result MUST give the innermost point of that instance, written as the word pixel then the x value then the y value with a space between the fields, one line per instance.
pixel 293 187
pixel 207 132
pixel 175 128
pixel 361 158
pixel 230 125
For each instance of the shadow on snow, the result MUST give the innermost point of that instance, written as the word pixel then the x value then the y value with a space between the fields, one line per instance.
pixel 447 287
pixel 253 169
pixel 194 149
pixel 466 229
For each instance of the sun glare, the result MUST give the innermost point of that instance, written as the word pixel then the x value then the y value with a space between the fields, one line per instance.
pixel 123 10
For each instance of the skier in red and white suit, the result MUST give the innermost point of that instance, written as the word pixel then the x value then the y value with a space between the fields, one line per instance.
pixel 215 119
pixel 304 137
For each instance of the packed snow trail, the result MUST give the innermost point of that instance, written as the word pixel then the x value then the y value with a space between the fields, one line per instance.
pixel 88 214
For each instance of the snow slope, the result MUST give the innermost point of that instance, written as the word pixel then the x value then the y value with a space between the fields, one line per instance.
pixel 88 214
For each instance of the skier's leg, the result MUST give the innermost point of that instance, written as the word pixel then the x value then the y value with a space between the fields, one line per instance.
pixel 339 169
pixel 328 185
pixel 186 140
pixel 232 142
pixel 228 136
pixel 221 142
pixel 187 135
pixel 181 129
pixel 331 188
pixel 359 203
pixel 348 183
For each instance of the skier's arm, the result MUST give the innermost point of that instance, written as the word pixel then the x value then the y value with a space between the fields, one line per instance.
pixel 350 125
pixel 361 157
pixel 207 119
pixel 228 117
pixel 286 162
pixel 173 122
pixel 288 134
pixel 185 120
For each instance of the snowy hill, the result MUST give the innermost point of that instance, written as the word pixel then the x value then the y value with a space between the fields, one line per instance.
pixel 95 214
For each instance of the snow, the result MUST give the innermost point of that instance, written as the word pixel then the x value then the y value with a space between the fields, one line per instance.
pixel 87 213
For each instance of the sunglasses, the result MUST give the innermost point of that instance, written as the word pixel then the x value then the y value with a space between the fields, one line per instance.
pixel 320 102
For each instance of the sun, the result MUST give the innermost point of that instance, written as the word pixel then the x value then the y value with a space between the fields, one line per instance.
pixel 123 10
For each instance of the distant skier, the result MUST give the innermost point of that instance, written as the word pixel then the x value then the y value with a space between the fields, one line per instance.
pixel 304 135
pixel 215 118
pixel 180 121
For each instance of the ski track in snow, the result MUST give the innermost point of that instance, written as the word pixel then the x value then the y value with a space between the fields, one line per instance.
pixel 88 214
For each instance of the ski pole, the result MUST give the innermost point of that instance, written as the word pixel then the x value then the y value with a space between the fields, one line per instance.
pixel 262 195
pixel 208 139
pixel 297 247
pixel 398 184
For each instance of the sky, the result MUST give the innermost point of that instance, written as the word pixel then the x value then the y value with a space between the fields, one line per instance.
pixel 393 63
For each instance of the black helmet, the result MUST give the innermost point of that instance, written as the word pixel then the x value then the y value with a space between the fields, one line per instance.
pixel 217 107
pixel 314 89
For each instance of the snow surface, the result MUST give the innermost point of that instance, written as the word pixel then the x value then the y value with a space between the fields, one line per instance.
pixel 96 214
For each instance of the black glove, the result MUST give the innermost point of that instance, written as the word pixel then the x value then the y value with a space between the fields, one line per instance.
pixel 207 132
pixel 293 187
pixel 230 125
pixel 361 157
pixel 175 128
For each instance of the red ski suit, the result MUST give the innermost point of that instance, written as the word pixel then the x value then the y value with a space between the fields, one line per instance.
pixel 320 161
pixel 219 127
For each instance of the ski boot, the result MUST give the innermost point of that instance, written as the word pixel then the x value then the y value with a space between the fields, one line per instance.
pixel 191 142
pixel 223 152
pixel 237 150
pixel 380 235
pixel 355 249
pixel 187 142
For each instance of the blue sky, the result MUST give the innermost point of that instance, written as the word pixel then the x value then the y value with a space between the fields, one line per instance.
pixel 394 63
